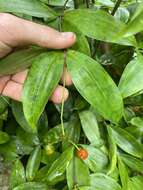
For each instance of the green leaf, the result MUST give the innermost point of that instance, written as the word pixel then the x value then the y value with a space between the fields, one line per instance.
pixel 33 164
pixel 77 173
pixel 29 7
pixel 59 166
pixel 90 127
pixel 18 60
pixel 135 25
pixel 123 174
pixel 132 162
pixel 102 182
pixel 127 142
pixel 97 160
pixel 112 151
pixel 136 183
pixel 17 176
pixel 4 137
pixel 72 131
pixel 131 81
pixel 42 79
pixel 81 43
pixel 95 85
pixel 4 101
pixel 31 186
pixel 17 111
pixel 95 23
pixel 87 188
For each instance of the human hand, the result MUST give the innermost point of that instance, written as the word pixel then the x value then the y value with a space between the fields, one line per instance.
pixel 16 32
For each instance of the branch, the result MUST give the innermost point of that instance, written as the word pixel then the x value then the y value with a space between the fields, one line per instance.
pixel 117 5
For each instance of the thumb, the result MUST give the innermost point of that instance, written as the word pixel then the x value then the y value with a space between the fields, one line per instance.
pixel 15 31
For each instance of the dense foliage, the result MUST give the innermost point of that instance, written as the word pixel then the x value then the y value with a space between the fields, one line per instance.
pixel 93 141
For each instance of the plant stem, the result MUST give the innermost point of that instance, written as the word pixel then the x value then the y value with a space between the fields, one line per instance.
pixel 117 5
pixel 63 92
pixel 75 4
pixel 87 3
pixel 74 144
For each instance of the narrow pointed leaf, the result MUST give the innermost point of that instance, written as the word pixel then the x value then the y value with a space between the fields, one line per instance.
pixel 90 127
pixel 17 176
pixel 127 142
pixel 32 186
pixel 42 80
pixel 131 81
pixel 94 24
pixel 77 173
pixel 95 85
pixel 59 166
pixel 33 163
pixel 102 182
pixel 132 162
pixel 112 151
pixel 123 174
pixel 29 7
pixel 18 60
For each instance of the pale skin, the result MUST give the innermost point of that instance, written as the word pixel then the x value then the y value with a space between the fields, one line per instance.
pixel 16 32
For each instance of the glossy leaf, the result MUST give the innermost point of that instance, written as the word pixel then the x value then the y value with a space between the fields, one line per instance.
pixel 4 137
pixel 77 173
pixel 59 166
pixel 112 151
pixel 18 60
pixel 30 7
pixel 102 182
pixel 3 104
pixel 72 131
pixel 17 110
pixel 132 162
pixel 95 85
pixel 42 80
pixel 95 23
pixel 17 176
pixel 131 81
pixel 81 43
pixel 123 174
pixel 127 142
pixel 31 186
pixel 33 164
pixel 97 160
pixel 90 127
pixel 136 183
pixel 136 23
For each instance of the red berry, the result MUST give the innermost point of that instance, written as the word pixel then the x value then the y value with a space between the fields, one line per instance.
pixel 82 154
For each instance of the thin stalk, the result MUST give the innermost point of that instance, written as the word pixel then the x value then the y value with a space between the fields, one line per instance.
pixel 117 5
pixel 63 92
pixel 87 3
pixel 74 144
pixel 76 4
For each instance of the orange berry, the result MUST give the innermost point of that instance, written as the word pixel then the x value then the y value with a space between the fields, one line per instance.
pixel 82 154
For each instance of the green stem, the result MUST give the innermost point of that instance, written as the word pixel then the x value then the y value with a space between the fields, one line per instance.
pixel 63 92
pixel 76 4
pixel 74 144
pixel 117 5
pixel 87 3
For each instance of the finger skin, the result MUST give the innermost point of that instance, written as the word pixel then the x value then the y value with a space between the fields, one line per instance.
pixel 20 77
pixel 67 77
pixel 13 90
pixel 15 31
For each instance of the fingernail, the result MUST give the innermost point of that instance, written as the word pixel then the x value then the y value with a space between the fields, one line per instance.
pixel 68 35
